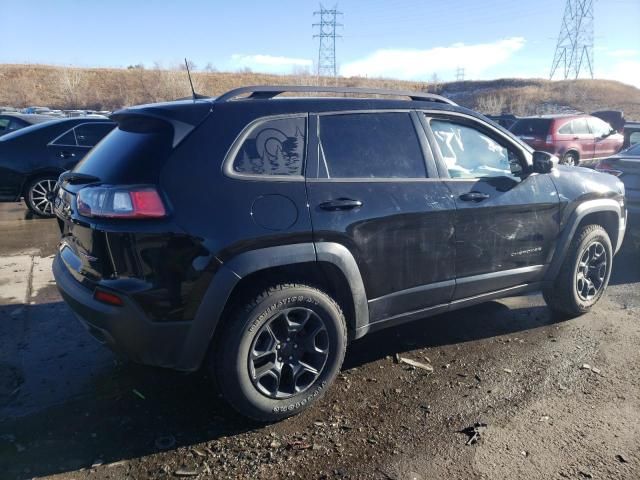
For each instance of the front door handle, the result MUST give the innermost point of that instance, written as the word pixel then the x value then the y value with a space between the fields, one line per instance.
pixel 66 154
pixel 340 204
pixel 473 197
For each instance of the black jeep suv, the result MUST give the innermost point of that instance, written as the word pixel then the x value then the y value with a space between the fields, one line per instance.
pixel 258 235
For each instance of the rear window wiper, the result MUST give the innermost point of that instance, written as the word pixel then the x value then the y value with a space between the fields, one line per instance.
pixel 77 178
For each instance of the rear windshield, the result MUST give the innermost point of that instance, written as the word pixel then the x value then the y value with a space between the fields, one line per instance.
pixel 128 157
pixel 531 126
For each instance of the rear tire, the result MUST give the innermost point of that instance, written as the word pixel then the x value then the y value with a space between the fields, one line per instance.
pixel 571 159
pixel 39 196
pixel 584 275
pixel 280 351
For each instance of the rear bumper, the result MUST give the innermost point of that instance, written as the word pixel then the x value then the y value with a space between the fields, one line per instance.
pixel 125 329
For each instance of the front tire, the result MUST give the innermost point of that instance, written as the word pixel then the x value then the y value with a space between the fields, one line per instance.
pixel 280 351
pixel 39 196
pixel 571 159
pixel 584 275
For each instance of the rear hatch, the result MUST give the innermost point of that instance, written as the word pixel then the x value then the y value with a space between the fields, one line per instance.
pixel 96 246
pixel 532 131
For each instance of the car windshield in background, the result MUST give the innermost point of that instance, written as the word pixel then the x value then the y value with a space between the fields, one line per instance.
pixel 633 150
pixel 27 130
pixel 531 126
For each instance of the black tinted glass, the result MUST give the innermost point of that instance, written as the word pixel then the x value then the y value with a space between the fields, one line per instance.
pixel 372 145
pixel 127 157
pixel 531 126
pixel 68 138
pixel 91 133
pixel 274 147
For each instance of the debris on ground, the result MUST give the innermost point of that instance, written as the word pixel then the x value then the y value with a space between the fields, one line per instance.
pixel 474 432
pixel 586 366
pixel 507 370
pixel 165 442
pixel 199 453
pixel 413 363
pixel 185 473
pixel 621 458
pixel 275 444
pixel 298 445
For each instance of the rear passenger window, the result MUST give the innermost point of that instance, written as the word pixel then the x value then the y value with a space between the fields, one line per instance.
pixel 565 129
pixel 370 145
pixel 273 147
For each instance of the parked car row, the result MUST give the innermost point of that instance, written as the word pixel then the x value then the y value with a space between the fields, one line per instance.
pixel 575 139
pixel 32 158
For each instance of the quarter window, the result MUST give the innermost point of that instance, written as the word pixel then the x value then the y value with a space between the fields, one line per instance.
pixel 68 139
pixel 634 139
pixel 370 145
pixel 580 127
pixel 273 147
pixel 469 153
pixel 89 134
pixel 565 129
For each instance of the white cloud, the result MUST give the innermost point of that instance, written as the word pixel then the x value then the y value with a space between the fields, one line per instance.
pixel 623 53
pixel 626 71
pixel 269 63
pixel 415 64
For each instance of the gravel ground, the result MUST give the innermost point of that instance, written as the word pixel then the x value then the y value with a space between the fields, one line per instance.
pixel 560 398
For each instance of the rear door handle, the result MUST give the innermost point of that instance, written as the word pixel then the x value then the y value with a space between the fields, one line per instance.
pixel 340 204
pixel 473 197
pixel 66 154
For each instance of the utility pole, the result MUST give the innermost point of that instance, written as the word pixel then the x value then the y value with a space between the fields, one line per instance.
pixel 327 35
pixel 574 50
pixel 459 74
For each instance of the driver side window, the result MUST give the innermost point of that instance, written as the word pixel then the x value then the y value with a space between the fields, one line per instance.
pixel 469 153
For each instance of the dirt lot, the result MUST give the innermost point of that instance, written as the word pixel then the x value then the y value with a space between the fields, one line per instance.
pixel 70 410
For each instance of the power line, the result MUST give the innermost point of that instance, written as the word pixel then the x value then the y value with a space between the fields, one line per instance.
pixel 574 50
pixel 327 35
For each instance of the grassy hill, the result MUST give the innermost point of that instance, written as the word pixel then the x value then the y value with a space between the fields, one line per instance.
pixel 107 88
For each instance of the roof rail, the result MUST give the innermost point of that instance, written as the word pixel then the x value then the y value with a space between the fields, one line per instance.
pixel 270 91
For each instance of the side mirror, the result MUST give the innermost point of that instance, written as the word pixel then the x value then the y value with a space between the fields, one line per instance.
pixel 544 162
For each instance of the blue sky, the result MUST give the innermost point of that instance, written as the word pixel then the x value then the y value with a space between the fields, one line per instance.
pixel 410 39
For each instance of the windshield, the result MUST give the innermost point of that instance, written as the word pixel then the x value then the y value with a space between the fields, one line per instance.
pixel 29 129
pixel 633 149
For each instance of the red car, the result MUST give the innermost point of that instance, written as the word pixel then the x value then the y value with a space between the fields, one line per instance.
pixel 574 139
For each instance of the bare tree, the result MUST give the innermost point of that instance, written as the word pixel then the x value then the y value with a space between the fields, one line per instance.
pixel 71 82
pixel 492 104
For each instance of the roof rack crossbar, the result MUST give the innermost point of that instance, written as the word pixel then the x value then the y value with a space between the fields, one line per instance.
pixel 269 91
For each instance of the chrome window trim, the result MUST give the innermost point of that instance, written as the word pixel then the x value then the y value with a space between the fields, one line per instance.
pixel 229 158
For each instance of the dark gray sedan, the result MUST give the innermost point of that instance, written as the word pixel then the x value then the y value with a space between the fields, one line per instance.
pixel 626 166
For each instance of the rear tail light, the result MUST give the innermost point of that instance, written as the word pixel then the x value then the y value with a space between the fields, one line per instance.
pixel 108 298
pixel 120 202
pixel 605 167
